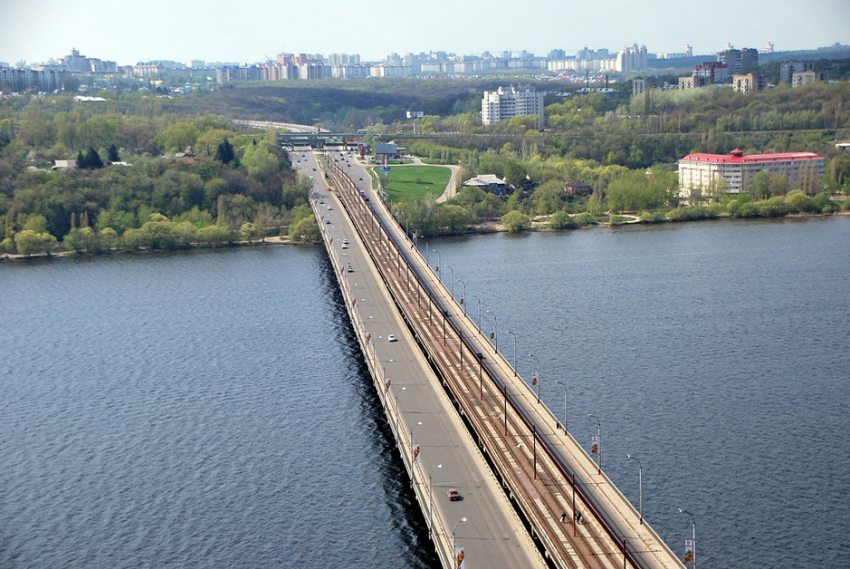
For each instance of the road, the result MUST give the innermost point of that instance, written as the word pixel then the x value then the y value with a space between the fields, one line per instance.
pixel 492 534
pixel 538 480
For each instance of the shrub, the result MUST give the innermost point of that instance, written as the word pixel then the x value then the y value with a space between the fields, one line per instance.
pixel 748 209
pixel 652 217
pixel 585 218
pixel 562 220
pixel 774 207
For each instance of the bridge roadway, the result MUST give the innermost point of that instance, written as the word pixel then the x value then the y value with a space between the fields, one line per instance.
pixel 542 467
pixel 493 534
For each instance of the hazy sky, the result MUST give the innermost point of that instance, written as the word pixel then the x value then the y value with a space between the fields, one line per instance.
pixel 250 30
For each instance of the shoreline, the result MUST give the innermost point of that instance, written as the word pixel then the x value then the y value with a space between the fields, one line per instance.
pixel 481 229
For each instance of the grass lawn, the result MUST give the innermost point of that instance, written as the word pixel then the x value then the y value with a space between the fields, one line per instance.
pixel 403 184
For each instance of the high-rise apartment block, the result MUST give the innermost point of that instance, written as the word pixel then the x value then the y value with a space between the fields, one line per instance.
pixel 789 68
pixel 749 83
pixel 511 102
pixel 738 59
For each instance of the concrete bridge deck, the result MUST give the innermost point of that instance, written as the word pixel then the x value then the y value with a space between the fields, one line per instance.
pixel 543 469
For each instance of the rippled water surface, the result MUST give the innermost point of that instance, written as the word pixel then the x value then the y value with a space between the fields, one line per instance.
pixel 717 353
pixel 204 409
pixel 210 408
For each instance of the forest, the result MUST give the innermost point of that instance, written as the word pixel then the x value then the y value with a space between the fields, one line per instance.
pixel 158 172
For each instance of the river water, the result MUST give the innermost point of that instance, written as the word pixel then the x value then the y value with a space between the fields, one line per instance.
pixel 211 409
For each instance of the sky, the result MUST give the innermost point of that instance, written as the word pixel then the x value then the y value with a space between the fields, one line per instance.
pixel 250 31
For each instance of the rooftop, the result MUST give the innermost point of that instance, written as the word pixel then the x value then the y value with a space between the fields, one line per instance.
pixel 737 157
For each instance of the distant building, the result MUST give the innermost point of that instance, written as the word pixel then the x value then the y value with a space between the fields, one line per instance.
pixel 692 82
pixel 489 183
pixel 789 68
pixel 712 72
pixel 735 172
pixel 506 103
pixel 640 85
pixel 17 80
pixel 804 78
pixel 578 189
pixel 749 83
pixel 738 59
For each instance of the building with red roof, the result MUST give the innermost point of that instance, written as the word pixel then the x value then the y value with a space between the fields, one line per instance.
pixel 733 173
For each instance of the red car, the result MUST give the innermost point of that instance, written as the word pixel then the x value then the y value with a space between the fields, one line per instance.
pixel 453 495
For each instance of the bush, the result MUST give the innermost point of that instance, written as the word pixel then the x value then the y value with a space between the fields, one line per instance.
pixel 748 209
pixel 515 221
pixel 798 202
pixel 774 207
pixel 652 217
pixel 562 220
pixel 617 220
pixel 585 218
pixel 824 204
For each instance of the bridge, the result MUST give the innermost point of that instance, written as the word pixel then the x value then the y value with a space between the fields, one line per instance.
pixel 461 416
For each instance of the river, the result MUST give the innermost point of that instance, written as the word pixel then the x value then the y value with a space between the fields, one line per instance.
pixel 211 409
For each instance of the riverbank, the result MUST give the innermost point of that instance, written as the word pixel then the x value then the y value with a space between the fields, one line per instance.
pixel 537 224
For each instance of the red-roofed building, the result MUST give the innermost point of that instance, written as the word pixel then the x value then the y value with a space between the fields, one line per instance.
pixel 704 172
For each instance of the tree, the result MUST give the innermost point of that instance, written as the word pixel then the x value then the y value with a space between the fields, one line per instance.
pixel 305 230
pixel 515 221
pixel 225 153
pixel 180 136
pixel 113 154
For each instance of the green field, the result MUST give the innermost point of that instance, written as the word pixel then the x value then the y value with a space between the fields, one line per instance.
pixel 403 185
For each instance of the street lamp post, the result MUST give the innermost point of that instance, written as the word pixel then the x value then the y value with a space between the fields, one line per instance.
pixel 463 296
pixel 411 448
pixel 640 484
pixel 694 536
pixel 479 312
pixel 495 325
pixel 439 262
pixel 397 410
pixel 430 500
pixel 538 376
pixel 453 281
pixel 454 552
pixel 564 385
pixel 598 439
pixel 514 335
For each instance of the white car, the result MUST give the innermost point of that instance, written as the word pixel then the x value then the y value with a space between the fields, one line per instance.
pixel 345 241
pixel 392 338
pixel 344 246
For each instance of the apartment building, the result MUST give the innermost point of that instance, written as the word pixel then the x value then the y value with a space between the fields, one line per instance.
pixel 734 172
pixel 510 102
pixel 738 59
pixel 712 72
pixel 803 78
pixel 749 83
pixel 789 68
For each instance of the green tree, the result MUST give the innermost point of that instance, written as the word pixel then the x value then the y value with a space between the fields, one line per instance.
pixel 215 235
pixel 225 153
pixel 516 221
pixel 113 153
pixel 180 136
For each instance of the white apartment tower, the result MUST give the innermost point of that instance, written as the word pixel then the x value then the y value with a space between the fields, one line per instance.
pixel 511 102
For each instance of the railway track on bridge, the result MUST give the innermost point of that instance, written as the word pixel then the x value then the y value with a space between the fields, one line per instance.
pixel 541 485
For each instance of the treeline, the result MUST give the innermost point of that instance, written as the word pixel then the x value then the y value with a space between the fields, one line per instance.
pixel 213 185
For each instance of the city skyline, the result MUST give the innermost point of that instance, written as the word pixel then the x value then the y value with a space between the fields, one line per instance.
pixel 370 29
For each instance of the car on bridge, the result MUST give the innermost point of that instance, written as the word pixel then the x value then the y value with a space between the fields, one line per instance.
pixel 454 495
pixel 392 338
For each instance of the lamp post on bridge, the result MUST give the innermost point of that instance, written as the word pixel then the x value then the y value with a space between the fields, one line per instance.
pixel 454 551
pixel 479 312
pixel 514 335
pixel 598 441
pixel 564 385
pixel 453 281
pixel 463 296
pixel 412 446
pixel 640 483
pixel 397 410
pixel 431 502
pixel 536 379
pixel 694 538
pixel 439 262
pixel 495 324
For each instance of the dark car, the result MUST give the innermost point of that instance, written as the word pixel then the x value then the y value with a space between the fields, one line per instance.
pixel 454 495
